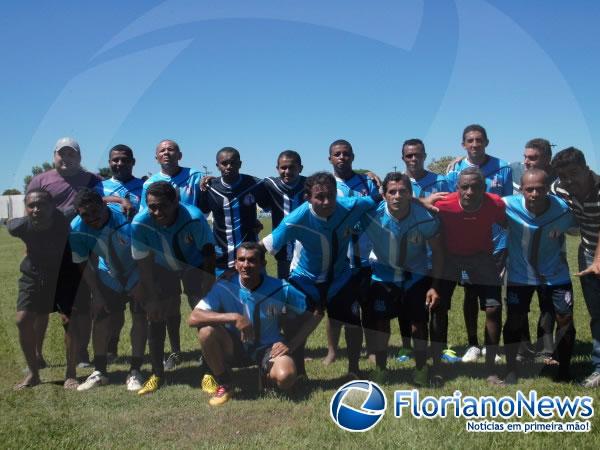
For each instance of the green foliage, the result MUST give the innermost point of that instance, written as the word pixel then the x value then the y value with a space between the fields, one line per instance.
pixel 439 165
pixel 11 192
pixel 105 172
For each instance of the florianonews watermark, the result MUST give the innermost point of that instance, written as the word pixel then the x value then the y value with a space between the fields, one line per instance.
pixel 547 413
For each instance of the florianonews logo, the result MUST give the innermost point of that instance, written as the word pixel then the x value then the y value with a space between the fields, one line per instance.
pixel 363 418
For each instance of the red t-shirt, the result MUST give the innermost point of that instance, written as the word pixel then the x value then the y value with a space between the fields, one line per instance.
pixel 467 233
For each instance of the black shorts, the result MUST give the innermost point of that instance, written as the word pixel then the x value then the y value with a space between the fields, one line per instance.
pixel 344 306
pixel 388 300
pixel 43 295
pixel 483 275
pixel 363 280
pixel 245 355
pixel 117 301
pixel 554 299
pixel 167 282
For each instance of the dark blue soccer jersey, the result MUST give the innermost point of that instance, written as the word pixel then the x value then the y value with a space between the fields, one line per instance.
pixel 284 199
pixel 234 214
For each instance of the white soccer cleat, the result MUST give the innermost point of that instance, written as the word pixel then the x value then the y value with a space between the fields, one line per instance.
pixel 95 379
pixel 134 381
pixel 471 355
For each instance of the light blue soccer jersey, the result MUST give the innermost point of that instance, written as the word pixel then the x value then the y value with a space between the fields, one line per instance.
pixel 132 190
pixel 536 244
pixel 262 306
pixel 400 246
pixel 321 248
pixel 112 244
pixel 174 247
pixel 187 183
pixel 358 186
pixel 498 180
pixel 429 184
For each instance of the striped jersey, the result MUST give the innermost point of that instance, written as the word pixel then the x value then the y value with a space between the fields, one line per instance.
pixel 283 200
pixel 111 244
pixel 536 244
pixel 429 184
pixel 187 183
pixel 359 185
pixel 131 190
pixel 400 246
pixel 262 306
pixel 174 247
pixel 321 248
pixel 587 213
pixel 234 214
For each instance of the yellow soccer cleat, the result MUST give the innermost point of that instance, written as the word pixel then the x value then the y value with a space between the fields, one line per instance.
pixel 150 386
pixel 209 384
pixel 222 396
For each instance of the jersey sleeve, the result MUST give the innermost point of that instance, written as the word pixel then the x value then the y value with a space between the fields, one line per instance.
pixel 507 187
pixel 80 246
pixel 212 300
pixel 451 179
pixel 140 247
pixel 143 204
pixel 364 204
pixel 373 190
pixel 280 236
pixel 500 210
pixel 203 201
pixel 263 198
pixel 202 233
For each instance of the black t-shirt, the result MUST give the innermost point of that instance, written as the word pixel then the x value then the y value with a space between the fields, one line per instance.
pixel 47 250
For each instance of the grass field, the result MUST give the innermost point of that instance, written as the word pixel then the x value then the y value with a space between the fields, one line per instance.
pixel 178 416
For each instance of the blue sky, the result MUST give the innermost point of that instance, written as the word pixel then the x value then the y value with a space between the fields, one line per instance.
pixel 265 76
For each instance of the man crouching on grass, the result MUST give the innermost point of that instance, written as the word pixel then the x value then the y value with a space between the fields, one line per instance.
pixel 238 323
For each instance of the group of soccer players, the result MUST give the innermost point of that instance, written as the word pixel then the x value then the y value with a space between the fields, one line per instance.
pixel 360 249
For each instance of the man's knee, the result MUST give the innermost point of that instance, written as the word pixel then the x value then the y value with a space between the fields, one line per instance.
pixel 207 334
pixel 283 372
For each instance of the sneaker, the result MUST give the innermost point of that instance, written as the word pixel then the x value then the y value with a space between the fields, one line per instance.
pixel 209 384
pixel 471 355
pixel 421 376
pixel 151 385
pixel 134 381
pixel 450 356
pixel 97 378
pixel 593 381
pixel 222 396
pixel 172 361
pixel 84 365
pixel 404 355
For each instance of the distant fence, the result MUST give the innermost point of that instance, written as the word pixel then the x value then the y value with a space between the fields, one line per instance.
pixel 11 206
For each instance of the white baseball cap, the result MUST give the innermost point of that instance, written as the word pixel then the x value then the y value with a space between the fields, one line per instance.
pixel 67 142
